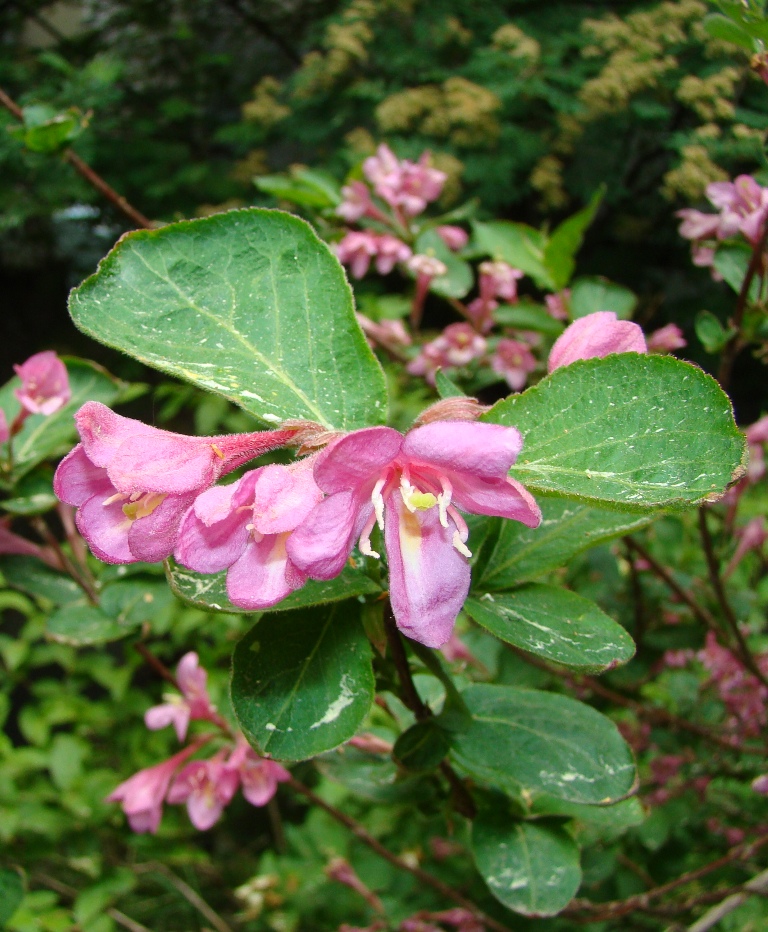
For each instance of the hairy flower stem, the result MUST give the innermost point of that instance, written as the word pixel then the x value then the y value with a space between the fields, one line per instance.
pixel 85 170
pixel 727 609
pixel 421 875
pixel 461 797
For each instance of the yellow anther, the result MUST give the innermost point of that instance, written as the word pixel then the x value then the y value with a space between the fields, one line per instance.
pixel 217 451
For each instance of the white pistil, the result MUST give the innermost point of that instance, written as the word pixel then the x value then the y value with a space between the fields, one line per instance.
pixel 117 497
pixel 444 500
pixel 378 504
pixel 459 544
pixel 364 544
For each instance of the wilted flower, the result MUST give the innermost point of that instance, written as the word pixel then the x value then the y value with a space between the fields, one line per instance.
pixel 244 527
pixel 44 383
pixel 411 486
pixel 133 483
pixel 596 335
pixel 193 704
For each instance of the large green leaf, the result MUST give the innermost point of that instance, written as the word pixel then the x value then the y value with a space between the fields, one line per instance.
pixel 44 436
pixel 530 742
pixel 566 239
pixel 209 592
pixel 633 430
pixel 302 681
pixel 589 295
pixel 11 894
pixel 512 553
pixel 515 243
pixel 249 304
pixel 34 577
pixel 533 868
pixel 555 624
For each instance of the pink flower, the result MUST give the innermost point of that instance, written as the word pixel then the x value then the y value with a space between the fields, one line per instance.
pixel 411 486
pixel 44 383
pixel 425 268
pixel 760 784
pixel 513 360
pixel 743 205
pixel 133 483
pixel 206 786
pixel 404 184
pixel 356 202
pixel 751 537
pixel 697 225
pixel 259 776
pixel 193 704
pixel 358 248
pixel 454 237
pixel 11 543
pixel 456 346
pixel 391 334
pixel 558 304
pixel 142 794
pixel 370 744
pixel 244 527
pixel 499 280
pixel 596 335
pixel 4 431
pixel 666 339
pixel 480 312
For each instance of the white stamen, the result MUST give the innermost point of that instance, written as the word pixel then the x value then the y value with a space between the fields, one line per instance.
pixel 378 503
pixel 364 543
pixel 117 497
pixel 406 491
pixel 444 500
pixel 459 544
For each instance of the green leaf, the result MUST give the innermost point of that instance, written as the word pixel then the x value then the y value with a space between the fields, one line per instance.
pixel 459 278
pixel 47 436
pixel 725 29
pixel 632 430
pixel 48 130
pixel 565 241
pixel 513 553
pixel 11 894
pixel 304 187
pixel 519 245
pixel 33 495
pixel 422 747
pixel 711 332
pixel 556 624
pixel 528 316
pixel 32 576
pixel 209 592
pixel 249 304
pixel 532 868
pixel 82 623
pixel 529 742
pixel 302 681
pixel 589 295
pixel 445 387
pixel 732 262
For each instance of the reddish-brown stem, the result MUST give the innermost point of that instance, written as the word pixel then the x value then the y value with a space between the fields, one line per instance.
pixel 157 665
pixel 422 876
pixel 85 170
pixel 66 564
pixel 717 584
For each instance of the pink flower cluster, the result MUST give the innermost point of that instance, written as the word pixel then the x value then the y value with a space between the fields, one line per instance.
pixel 206 786
pixel 144 494
pixel 44 389
pixel 404 185
pixel 743 209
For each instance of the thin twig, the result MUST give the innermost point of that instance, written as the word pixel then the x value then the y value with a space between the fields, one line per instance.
pixel 375 845
pixel 758 885
pixel 459 793
pixel 85 170
pixel 703 614
pixel 157 665
pixel 276 824
pixel 614 908
pixel 190 895
pixel 67 565
pixel 637 601
pixel 728 613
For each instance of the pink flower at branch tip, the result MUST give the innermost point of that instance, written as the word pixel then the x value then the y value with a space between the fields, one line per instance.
pixel 558 304
pixel 356 202
pixel 454 237
pixel 44 384
pixel 743 205
pixel 132 483
pixel 666 339
pixel 514 361
pixel 357 249
pixel 499 280
pixel 244 527
pixel 456 346
pixel 405 185
pixel 259 776
pixel 142 794
pixel 193 704
pixel 596 335
pixel 411 486
pixel 391 334
pixel 206 786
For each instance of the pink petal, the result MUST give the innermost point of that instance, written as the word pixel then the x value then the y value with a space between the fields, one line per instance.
pixel 190 676
pixel 470 447
pixel 283 498
pixel 205 809
pixel 596 335
pixel 45 383
pixel 105 528
pixel 428 578
pixel 355 460
pixel 321 545
pixel 211 549
pixel 176 714
pixel 163 462
pixel 102 431
pixel 77 479
pixel 260 778
pixel 505 498
pixel 153 538
pixel 258 579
